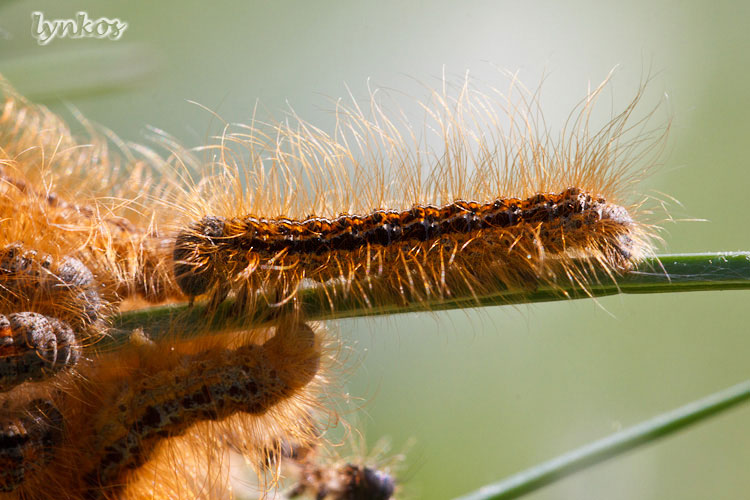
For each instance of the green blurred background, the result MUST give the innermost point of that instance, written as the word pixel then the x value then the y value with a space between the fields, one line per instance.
pixel 483 393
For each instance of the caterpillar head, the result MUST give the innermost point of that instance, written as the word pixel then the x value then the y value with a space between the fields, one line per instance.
pixel 193 255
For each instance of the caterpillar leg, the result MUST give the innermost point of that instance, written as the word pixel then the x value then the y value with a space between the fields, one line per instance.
pixel 34 347
pixel 62 307
pixel 27 440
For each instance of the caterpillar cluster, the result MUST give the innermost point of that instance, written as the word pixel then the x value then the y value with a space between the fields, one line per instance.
pixel 371 211
pixel 81 200
pixel 79 422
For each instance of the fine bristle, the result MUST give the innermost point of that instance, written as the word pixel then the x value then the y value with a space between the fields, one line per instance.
pixel 318 476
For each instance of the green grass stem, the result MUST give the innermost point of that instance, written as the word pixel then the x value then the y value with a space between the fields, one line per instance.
pixel 612 446
pixel 666 273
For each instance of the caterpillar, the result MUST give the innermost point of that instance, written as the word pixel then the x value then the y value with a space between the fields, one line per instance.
pixel 374 208
pixel 316 475
pixel 379 243
pixel 80 199
pixel 91 433
pixel 336 481
pixel 346 482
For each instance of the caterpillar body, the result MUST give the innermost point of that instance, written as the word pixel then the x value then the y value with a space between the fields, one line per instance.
pixel 394 219
pixel 472 237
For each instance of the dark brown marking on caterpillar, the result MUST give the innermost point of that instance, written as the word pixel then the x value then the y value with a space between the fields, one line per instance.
pixel 215 247
pixel 34 347
pixel 28 441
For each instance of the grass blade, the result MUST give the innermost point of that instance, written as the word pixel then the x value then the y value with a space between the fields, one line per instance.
pixel 612 446
pixel 668 273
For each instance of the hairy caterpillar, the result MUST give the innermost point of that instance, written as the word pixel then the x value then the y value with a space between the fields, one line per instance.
pixel 374 208
pixel 81 199
pixel 121 409
pixel 318 476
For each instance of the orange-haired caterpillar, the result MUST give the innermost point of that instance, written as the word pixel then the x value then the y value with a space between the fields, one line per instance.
pixel 322 479
pixel 375 208
pixel 93 434
pixel 77 198
pixel 345 482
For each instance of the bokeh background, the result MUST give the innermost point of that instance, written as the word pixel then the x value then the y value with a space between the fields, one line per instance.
pixel 482 394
